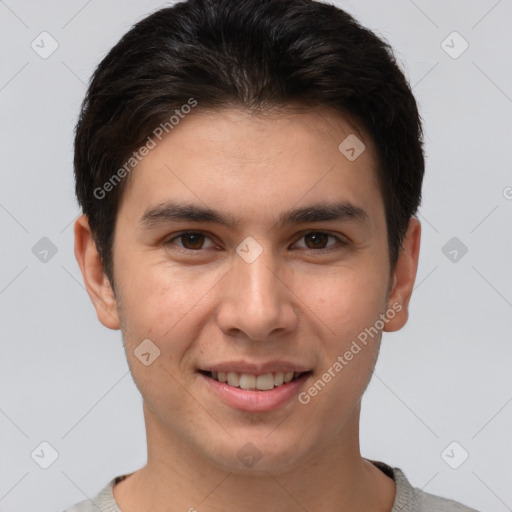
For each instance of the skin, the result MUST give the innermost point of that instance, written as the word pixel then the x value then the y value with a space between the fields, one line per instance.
pixel 291 303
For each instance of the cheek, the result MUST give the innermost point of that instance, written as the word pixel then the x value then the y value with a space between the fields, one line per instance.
pixel 168 308
pixel 348 301
pixel 158 298
pixel 351 308
pixel 153 310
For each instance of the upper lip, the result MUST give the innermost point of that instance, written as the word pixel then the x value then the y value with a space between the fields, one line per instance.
pixel 256 368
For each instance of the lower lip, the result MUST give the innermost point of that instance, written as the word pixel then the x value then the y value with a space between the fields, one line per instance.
pixel 256 401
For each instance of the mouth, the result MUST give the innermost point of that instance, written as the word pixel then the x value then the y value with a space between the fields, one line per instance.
pixel 251 382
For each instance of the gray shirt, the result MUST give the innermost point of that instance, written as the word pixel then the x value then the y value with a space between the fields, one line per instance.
pixel 407 499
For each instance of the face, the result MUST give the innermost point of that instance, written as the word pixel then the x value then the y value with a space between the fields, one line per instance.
pixel 249 250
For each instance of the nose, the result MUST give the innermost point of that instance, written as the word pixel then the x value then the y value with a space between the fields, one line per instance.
pixel 257 301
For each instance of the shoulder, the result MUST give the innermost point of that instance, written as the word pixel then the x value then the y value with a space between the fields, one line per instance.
pixel 430 502
pixel 412 499
pixel 83 506
pixel 103 502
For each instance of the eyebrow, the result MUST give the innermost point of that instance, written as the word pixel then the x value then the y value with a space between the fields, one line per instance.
pixel 320 212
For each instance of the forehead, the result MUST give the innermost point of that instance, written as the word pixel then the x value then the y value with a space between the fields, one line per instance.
pixel 239 158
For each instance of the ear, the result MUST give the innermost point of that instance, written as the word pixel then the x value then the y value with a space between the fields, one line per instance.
pixel 96 282
pixel 404 277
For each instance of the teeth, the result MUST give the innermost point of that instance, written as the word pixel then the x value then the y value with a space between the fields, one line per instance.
pixel 233 379
pixel 288 376
pixel 263 382
pixel 247 381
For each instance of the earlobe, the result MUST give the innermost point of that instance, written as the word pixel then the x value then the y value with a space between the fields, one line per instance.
pixel 96 282
pixel 404 277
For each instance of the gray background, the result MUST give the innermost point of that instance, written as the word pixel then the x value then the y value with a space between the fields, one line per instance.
pixel 445 377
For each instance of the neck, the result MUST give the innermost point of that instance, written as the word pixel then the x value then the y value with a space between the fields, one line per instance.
pixel 335 478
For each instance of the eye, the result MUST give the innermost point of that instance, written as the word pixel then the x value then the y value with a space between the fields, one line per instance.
pixel 318 239
pixel 193 241
pixel 190 240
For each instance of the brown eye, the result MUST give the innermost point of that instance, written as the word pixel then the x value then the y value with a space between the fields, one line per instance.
pixel 192 241
pixel 318 240
pixel 188 241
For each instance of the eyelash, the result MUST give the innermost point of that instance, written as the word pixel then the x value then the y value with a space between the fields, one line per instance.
pixel 340 242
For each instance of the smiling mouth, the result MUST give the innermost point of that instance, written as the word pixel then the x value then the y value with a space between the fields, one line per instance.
pixel 263 382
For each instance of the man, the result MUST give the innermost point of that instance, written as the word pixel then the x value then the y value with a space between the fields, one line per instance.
pixel 249 174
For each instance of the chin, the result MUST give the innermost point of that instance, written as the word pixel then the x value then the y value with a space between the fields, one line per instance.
pixel 255 455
